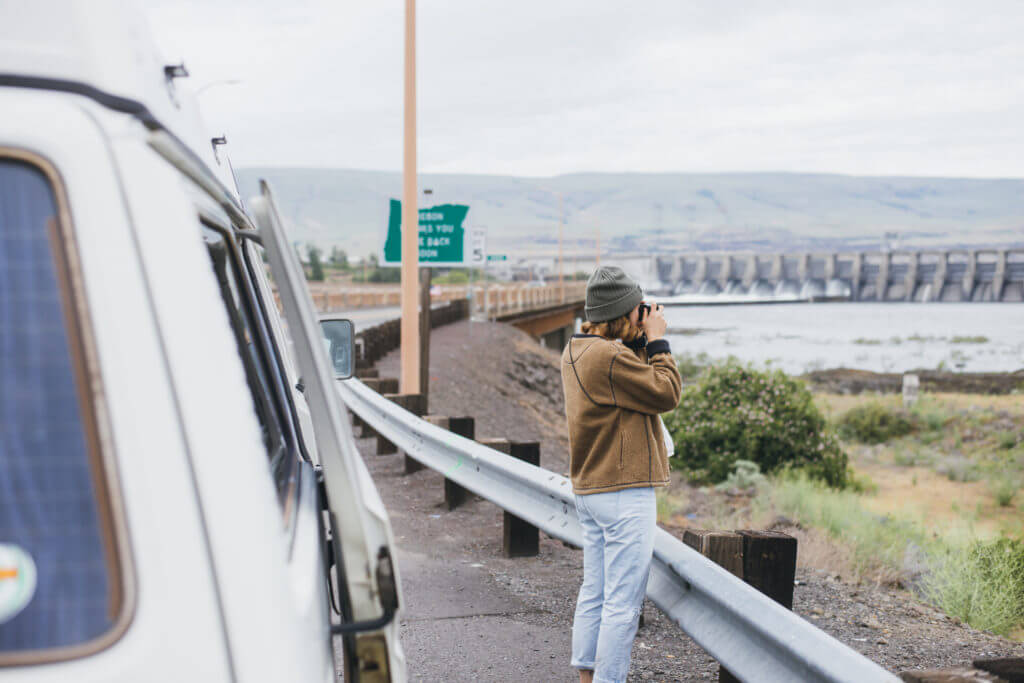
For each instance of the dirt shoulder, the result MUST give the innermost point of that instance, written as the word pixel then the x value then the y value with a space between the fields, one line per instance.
pixel 488 618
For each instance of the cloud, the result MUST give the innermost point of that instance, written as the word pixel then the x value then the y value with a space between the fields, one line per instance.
pixel 540 88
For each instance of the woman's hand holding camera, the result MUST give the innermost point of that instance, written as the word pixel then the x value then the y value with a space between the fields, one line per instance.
pixel 653 323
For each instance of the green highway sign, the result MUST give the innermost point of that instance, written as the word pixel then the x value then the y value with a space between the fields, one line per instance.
pixel 441 235
pixel 497 257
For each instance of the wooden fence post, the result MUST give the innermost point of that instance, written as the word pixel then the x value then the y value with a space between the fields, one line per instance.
pixel 385 385
pixel 769 564
pixel 414 403
pixel 455 495
pixel 764 559
pixel 519 538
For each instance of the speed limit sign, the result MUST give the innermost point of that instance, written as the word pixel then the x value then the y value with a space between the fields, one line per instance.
pixel 478 246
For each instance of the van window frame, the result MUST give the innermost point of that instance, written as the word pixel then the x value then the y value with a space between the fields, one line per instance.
pixel 95 419
pixel 275 382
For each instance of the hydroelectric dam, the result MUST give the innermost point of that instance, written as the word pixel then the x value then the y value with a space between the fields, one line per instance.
pixel 983 275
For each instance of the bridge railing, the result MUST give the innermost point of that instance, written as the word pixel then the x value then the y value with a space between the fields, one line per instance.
pixel 497 300
pixel 746 631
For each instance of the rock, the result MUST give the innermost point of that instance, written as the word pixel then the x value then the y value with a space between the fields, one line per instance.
pixel 870 622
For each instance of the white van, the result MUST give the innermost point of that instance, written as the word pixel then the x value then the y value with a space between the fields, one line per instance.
pixel 171 505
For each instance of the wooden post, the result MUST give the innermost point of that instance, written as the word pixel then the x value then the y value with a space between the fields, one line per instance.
pixel 724 548
pixel 441 421
pixel 386 385
pixel 519 538
pixel 410 361
pixel 455 495
pixel 769 564
pixel 764 559
pixel 1011 669
pixel 411 402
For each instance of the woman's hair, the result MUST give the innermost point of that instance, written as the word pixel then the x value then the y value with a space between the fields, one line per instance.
pixel 620 328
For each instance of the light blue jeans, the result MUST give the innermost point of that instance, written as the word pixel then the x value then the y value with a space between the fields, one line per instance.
pixel 618 541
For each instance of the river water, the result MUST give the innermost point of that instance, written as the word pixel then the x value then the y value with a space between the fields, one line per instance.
pixel 887 337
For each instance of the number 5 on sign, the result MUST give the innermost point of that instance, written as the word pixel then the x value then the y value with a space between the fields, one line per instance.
pixel 478 246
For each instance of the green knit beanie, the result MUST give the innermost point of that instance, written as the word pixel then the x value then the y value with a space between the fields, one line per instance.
pixel 611 294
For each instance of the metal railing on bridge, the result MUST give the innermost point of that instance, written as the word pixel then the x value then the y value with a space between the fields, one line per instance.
pixel 494 299
pixel 746 631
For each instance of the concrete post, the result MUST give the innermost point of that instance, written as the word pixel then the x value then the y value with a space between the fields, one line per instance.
pixel 725 272
pixel 803 268
pixel 882 284
pixel 939 280
pixel 910 283
pixel 831 267
pixel 999 281
pixel 701 273
pixel 855 276
pixel 778 271
pixel 970 275
pixel 750 271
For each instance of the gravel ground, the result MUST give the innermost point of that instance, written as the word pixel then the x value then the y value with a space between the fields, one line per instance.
pixel 517 627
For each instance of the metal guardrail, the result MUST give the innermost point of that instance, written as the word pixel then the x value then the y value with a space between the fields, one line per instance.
pixel 747 632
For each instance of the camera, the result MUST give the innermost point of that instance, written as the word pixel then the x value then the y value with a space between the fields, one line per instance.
pixel 644 310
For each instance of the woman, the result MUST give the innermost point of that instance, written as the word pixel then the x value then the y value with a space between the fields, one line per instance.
pixel 618 376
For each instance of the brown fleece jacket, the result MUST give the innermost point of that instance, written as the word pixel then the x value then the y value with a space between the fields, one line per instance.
pixel 613 396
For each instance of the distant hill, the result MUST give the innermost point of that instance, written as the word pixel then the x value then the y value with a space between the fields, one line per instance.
pixel 661 211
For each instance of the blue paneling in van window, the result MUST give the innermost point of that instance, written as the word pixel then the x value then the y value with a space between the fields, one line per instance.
pixel 47 495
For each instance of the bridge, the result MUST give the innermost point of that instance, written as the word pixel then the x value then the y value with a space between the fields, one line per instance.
pixel 984 275
pixel 547 312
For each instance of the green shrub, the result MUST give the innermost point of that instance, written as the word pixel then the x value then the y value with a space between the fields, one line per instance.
pixel 745 475
pixel 873 423
pixel 981 583
pixel 1006 439
pixel 734 412
pixel 1005 489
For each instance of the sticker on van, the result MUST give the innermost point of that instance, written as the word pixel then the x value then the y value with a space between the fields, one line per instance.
pixel 17 580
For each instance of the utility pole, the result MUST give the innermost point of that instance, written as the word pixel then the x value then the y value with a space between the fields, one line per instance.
pixel 410 343
pixel 561 223
pixel 424 322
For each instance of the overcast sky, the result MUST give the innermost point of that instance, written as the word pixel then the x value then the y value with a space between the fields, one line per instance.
pixel 544 87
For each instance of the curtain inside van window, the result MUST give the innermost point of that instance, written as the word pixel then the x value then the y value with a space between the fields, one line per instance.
pixel 49 521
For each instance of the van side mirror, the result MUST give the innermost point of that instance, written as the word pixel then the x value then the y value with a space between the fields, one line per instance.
pixel 339 337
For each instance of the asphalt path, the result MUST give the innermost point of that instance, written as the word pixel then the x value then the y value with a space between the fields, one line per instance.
pixel 457 622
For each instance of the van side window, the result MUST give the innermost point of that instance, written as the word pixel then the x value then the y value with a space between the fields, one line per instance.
pixel 261 371
pixel 62 576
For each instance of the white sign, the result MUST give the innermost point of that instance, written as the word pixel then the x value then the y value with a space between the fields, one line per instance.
pixel 478 247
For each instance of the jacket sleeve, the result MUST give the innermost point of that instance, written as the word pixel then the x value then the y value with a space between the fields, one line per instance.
pixel 651 387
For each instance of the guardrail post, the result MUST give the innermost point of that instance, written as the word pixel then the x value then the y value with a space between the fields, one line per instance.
pixel 724 548
pixel 455 495
pixel 385 385
pixel 414 403
pixel 519 538
pixel 769 564
pixel 764 559
pixel 413 465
